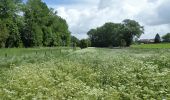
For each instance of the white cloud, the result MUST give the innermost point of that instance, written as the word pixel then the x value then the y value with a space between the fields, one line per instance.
pixel 153 30
pixel 87 14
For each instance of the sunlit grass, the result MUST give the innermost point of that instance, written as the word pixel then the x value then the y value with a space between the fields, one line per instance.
pixel 149 46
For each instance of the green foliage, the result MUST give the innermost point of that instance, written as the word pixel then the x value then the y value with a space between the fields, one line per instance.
pixel 166 38
pixel 84 43
pixel 112 34
pixel 3 33
pixel 14 36
pixel 31 24
pixel 8 13
pixel 157 38
pixel 47 36
pixel 92 74
pixel 75 41
pixel 8 8
pixel 131 29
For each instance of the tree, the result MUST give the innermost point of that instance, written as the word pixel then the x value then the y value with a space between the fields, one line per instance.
pixel 115 34
pixel 13 39
pixel 106 35
pixel 131 29
pixel 56 31
pixel 84 43
pixel 166 38
pixel 3 33
pixel 35 15
pixel 157 38
pixel 92 36
pixel 47 36
pixel 31 24
pixel 8 13
pixel 75 41
pixel 43 26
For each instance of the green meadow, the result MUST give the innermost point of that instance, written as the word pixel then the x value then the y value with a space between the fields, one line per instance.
pixel 87 74
pixel 152 46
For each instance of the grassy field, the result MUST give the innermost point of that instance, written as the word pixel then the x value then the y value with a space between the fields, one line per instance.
pixel 152 46
pixel 88 74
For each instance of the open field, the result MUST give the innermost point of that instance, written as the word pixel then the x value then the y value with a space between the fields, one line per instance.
pixel 88 74
pixel 152 46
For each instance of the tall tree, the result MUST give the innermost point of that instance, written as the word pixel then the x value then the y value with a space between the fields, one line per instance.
pixel 132 29
pixel 43 26
pixel 157 38
pixel 8 15
pixel 31 24
pixel 35 13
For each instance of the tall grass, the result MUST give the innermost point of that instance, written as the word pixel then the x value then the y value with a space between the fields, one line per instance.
pixel 88 74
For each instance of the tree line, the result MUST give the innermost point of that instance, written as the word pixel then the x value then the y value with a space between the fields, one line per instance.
pixel 115 34
pixel 166 37
pixel 31 24
pixel 111 35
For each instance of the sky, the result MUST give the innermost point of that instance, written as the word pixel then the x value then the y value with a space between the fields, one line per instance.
pixel 83 15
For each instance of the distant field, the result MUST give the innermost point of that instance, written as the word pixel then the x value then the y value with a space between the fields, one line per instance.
pixel 159 46
pixel 88 74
